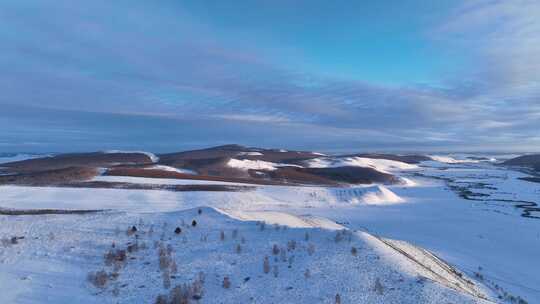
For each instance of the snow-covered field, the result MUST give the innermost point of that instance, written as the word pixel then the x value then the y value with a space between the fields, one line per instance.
pixel 12 157
pixel 488 240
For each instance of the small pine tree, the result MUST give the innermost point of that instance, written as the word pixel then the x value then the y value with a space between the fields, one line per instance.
pixel 275 249
pixel 338 298
pixel 226 282
pixel 238 249
pixel 222 235
pixel 266 265
pixel 354 251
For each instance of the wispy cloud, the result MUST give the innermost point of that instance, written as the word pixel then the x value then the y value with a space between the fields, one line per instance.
pixel 155 66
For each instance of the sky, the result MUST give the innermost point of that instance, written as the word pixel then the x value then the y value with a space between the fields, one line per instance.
pixel 168 75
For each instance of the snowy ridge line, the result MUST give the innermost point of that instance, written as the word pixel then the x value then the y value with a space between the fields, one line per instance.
pixel 154 158
pixel 451 160
pixel 466 286
pixel 382 165
pixel 171 169
pixel 247 164
pixel 282 218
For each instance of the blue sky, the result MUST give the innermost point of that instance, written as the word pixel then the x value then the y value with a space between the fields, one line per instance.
pixel 325 75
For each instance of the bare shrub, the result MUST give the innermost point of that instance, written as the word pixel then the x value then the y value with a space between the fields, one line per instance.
pixel 180 294
pixel 338 298
pixel 197 286
pixel 98 279
pixel 222 235
pixel 226 283
pixel 266 265
pixel 184 293
pixel 354 251
pixel 164 258
pixel 238 249
pixel 115 256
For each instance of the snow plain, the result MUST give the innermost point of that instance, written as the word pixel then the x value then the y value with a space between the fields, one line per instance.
pixel 487 239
